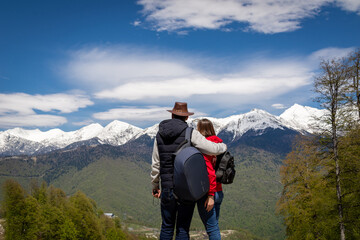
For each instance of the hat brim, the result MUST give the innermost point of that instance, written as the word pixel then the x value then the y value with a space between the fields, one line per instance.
pixel 181 113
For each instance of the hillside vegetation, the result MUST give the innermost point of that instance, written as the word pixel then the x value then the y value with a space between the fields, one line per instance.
pixel 118 179
pixel 47 213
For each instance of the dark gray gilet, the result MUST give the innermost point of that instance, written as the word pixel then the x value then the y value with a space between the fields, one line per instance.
pixel 171 134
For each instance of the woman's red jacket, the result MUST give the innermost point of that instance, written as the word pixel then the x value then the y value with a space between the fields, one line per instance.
pixel 210 164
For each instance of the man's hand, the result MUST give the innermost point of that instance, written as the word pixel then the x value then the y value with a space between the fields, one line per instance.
pixel 156 193
pixel 209 203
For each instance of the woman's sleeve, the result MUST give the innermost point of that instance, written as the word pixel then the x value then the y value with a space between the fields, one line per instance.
pixel 205 146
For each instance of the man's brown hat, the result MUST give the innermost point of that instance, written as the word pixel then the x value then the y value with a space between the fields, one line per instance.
pixel 180 109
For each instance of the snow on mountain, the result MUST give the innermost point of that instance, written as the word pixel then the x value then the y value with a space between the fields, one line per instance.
pixel 13 145
pixel 22 141
pixel 257 120
pixel 56 137
pixel 302 118
pixel 65 138
pixel 35 135
pixel 150 131
pixel 88 132
pixel 118 133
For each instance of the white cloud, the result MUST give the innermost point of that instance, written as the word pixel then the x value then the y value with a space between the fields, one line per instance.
pixel 123 74
pixel 258 78
pixel 329 53
pixel 22 103
pixel 349 5
pixel 99 67
pixel 187 87
pixel 147 114
pixel 278 106
pixel 31 120
pixel 19 109
pixel 265 16
pixel 139 114
pixel 199 80
pixel 136 23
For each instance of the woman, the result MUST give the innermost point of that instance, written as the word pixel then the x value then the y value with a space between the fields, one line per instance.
pixel 209 206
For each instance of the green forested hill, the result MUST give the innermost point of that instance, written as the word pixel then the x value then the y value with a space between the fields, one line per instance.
pixel 118 185
pixel 118 180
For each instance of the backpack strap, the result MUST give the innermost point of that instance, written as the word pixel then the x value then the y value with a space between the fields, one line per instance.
pixel 188 134
pixel 187 142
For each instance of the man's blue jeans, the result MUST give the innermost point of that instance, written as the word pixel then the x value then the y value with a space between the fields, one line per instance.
pixel 210 219
pixel 173 213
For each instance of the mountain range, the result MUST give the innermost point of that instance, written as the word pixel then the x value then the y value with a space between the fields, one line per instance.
pixel 19 141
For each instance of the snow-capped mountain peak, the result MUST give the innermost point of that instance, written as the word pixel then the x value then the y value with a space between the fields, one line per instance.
pixel 35 135
pixel 256 120
pixel 118 133
pixel 150 131
pixel 117 125
pixel 302 118
pixel 89 131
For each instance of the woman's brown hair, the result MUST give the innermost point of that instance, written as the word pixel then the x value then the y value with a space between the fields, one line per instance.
pixel 205 127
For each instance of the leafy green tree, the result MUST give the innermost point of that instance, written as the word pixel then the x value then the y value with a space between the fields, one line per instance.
pixel 84 217
pixel 332 86
pixel 111 228
pixel 306 201
pixel 14 210
pixel 349 149
pixel 49 214
pixel 67 230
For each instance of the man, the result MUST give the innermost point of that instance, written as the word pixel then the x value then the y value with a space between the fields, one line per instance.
pixel 171 133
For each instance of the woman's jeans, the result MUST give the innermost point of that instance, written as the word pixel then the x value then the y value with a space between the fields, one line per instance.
pixel 219 196
pixel 173 213
pixel 210 219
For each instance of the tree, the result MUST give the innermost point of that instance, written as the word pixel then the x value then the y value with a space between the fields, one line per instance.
pixel 349 149
pixel 306 201
pixel 354 77
pixel 321 175
pixel 49 214
pixel 84 216
pixel 14 208
pixel 332 87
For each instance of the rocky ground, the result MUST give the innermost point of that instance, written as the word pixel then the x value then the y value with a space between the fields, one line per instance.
pixel 153 233
pixel 197 235
pixel 2 231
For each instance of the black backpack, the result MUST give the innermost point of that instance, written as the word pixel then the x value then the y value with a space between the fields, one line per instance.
pixel 191 181
pixel 225 168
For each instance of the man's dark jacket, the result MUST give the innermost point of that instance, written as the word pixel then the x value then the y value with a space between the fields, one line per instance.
pixel 171 134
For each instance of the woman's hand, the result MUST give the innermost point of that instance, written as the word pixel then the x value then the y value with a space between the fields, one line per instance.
pixel 209 203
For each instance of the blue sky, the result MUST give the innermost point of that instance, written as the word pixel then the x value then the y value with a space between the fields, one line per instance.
pixel 67 64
